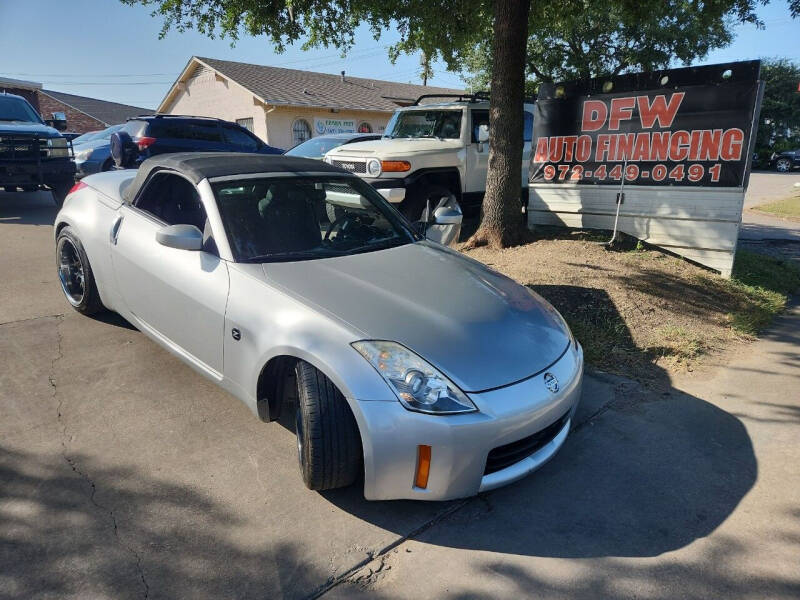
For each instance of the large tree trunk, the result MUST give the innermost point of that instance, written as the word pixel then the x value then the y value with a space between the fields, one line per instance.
pixel 501 217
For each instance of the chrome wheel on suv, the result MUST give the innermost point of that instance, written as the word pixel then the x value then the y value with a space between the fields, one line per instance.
pixel 783 165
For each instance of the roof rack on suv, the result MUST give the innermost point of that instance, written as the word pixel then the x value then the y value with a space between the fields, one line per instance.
pixel 476 97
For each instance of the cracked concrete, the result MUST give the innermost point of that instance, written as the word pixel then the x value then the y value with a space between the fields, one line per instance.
pixel 73 464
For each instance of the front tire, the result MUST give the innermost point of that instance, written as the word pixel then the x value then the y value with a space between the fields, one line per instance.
pixel 75 273
pixel 429 197
pixel 328 442
pixel 783 165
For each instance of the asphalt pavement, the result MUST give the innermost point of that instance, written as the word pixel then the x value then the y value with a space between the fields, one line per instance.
pixel 124 474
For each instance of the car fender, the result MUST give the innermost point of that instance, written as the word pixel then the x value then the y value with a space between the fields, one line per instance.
pixel 270 322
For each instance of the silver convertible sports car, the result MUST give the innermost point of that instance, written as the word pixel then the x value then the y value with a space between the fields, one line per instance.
pixel 395 358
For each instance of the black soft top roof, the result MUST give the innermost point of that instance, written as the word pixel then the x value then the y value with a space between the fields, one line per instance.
pixel 197 166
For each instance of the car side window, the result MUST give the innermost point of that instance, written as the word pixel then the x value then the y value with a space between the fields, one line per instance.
pixel 206 132
pixel 239 137
pixel 527 130
pixel 173 200
pixel 479 117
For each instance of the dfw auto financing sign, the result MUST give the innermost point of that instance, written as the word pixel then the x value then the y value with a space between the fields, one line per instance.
pixel 695 132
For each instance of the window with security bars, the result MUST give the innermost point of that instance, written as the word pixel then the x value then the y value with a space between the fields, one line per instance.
pixel 246 123
pixel 301 131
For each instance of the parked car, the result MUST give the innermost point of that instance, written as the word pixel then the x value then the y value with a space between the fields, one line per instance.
pixel 33 154
pixel 784 162
pixel 432 154
pixel 317 147
pixel 397 359
pixel 94 155
pixel 146 136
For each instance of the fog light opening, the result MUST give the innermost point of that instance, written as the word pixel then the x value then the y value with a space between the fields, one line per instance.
pixel 423 466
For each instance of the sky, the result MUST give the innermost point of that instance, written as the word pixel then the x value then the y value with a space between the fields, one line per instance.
pixel 104 49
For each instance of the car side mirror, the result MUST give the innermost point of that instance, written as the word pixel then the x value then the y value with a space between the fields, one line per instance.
pixel 483 133
pixel 447 216
pixel 180 237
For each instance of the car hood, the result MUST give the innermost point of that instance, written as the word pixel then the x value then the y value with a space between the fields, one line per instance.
pixel 384 147
pixel 480 328
pixel 28 127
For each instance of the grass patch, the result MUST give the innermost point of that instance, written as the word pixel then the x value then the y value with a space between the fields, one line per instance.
pixel 788 207
pixel 763 285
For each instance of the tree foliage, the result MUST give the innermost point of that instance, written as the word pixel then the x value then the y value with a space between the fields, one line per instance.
pixel 586 38
pixel 779 124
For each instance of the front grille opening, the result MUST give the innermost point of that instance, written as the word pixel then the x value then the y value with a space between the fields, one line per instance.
pixel 505 456
pixel 353 166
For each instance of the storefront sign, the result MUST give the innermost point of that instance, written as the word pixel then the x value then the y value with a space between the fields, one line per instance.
pixel 694 134
pixel 328 126
pixel 678 141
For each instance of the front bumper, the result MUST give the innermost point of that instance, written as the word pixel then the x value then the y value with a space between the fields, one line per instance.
pixel 394 190
pixel 36 173
pixel 460 444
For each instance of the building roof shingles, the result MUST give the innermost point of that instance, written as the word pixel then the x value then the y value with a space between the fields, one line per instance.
pixel 293 87
pixel 110 113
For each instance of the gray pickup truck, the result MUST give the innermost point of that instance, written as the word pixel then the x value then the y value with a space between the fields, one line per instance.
pixel 33 154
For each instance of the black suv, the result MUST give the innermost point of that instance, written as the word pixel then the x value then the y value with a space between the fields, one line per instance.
pixel 146 136
pixel 33 155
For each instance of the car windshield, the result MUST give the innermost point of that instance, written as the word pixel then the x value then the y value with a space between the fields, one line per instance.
pixel 304 218
pixel 16 109
pixel 105 134
pixel 443 124
pixel 316 147
pixel 86 137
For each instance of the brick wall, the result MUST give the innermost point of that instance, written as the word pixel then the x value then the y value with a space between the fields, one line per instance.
pixel 76 120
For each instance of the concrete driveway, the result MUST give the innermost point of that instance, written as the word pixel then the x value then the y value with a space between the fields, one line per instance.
pixel 123 474
pixel 765 187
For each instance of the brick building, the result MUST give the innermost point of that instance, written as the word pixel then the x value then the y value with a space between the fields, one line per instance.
pixel 83 114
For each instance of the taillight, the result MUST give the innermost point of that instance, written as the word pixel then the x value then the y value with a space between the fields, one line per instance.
pixel 145 142
pixel 78 186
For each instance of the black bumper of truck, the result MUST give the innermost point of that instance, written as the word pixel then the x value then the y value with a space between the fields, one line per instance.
pixel 43 172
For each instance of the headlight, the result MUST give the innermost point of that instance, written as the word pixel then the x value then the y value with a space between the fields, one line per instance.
pixel 58 142
pixel 56 147
pixel 419 386
pixel 83 154
pixel 328 160
pixel 373 167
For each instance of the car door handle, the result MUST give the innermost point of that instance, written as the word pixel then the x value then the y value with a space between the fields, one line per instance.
pixel 115 230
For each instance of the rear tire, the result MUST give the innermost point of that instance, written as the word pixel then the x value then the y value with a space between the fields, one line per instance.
pixel 783 165
pixel 75 273
pixel 328 441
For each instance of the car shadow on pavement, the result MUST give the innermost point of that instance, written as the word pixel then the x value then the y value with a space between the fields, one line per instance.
pixel 131 536
pixel 27 208
pixel 110 317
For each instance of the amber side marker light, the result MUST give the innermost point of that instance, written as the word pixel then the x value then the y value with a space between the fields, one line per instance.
pixel 395 166
pixel 423 466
